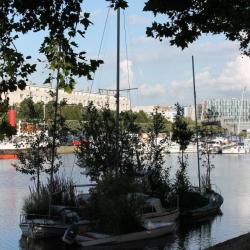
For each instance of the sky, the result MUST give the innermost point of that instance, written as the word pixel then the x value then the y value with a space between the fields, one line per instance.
pixel 162 73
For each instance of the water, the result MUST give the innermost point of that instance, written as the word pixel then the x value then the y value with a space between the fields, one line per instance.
pixel 231 174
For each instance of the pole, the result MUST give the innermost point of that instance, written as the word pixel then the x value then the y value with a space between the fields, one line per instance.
pixel 117 88
pixel 240 111
pixel 196 126
pixel 44 114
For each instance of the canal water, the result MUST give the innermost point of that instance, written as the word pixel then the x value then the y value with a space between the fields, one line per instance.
pixel 231 174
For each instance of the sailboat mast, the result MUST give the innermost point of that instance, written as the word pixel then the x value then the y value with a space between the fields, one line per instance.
pixel 117 86
pixel 240 111
pixel 196 126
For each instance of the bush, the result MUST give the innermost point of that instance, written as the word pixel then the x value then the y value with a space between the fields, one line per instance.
pixel 115 206
pixel 192 200
pixel 64 194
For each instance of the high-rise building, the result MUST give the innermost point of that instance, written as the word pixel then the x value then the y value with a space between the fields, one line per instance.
pixel 231 112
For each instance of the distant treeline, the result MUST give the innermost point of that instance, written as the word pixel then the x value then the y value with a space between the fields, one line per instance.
pixel 74 114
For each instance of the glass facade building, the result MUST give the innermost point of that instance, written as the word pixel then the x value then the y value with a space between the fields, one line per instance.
pixel 230 109
pixel 231 112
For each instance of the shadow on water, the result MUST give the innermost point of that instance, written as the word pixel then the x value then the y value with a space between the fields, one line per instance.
pixel 189 235
pixel 195 234
pixel 52 244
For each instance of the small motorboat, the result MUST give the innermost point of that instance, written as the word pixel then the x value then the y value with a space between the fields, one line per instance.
pixel 43 226
pixel 150 230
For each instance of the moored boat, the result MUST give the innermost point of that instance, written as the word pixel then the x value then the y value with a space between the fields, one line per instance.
pixel 215 201
pixel 238 148
pixel 151 230
pixel 154 211
pixel 43 226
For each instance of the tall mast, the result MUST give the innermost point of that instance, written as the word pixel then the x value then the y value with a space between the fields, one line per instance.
pixel 196 126
pixel 117 87
pixel 240 111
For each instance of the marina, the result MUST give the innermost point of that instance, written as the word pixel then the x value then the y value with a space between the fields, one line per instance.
pixel 106 139
pixel 233 222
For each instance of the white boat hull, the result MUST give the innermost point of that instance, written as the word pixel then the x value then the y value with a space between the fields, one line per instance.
pixel 42 231
pixel 47 230
pixel 123 238
pixel 161 217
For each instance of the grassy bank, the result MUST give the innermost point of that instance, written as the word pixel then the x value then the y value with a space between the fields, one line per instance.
pixel 239 243
pixel 66 149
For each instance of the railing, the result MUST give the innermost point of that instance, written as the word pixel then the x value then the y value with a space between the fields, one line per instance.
pixel 43 219
pixel 216 188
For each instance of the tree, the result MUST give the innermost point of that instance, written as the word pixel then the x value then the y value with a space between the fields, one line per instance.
pixel 187 20
pixel 63 21
pixel 118 4
pixel 72 112
pixel 181 132
pixel 142 117
pixel 113 204
pixel 209 129
pixel 157 181
pixel 37 157
pixel 99 156
pixel 182 135
pixel 207 134
pixel 30 111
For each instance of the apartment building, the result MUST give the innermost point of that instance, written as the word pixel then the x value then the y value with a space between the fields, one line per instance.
pixel 41 93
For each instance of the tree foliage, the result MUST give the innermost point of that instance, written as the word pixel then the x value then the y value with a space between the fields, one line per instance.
pixel 34 156
pixel 118 4
pixel 181 132
pixel 114 205
pixel 157 182
pixel 142 117
pixel 72 112
pixel 182 135
pixel 30 111
pixel 99 156
pixel 188 20
pixel 64 21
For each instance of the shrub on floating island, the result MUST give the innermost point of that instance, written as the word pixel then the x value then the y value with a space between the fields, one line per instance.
pixel 63 194
pixel 115 206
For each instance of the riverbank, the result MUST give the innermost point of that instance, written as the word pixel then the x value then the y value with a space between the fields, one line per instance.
pixel 239 243
pixel 66 149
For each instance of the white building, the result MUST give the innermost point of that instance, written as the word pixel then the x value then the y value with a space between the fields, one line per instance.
pixel 42 94
pixel 167 111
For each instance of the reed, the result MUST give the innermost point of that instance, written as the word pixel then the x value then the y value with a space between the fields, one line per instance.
pixel 64 193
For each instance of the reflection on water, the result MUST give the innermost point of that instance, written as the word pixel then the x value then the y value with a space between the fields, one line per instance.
pixel 232 175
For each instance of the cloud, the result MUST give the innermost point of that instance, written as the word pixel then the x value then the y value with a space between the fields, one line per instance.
pixel 97 13
pixel 152 90
pixel 150 49
pixel 146 90
pixel 137 20
pixel 127 74
pixel 233 77
pixel 227 83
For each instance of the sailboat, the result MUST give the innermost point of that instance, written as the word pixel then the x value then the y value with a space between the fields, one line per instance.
pixel 214 199
pixel 153 224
